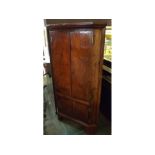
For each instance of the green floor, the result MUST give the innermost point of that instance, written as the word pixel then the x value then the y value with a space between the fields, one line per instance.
pixel 52 126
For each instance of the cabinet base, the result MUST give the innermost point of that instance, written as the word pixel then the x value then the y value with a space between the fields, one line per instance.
pixel 90 129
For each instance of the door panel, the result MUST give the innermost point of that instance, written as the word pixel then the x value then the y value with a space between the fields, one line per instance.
pixel 60 56
pixel 81 48
pixel 85 63
pixel 65 105
pixel 80 111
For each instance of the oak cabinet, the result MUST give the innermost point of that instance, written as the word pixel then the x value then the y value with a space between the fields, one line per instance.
pixel 76 53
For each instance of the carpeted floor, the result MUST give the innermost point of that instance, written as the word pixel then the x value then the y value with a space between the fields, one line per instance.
pixel 52 126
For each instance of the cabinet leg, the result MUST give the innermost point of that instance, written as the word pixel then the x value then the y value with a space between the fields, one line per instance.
pixel 91 130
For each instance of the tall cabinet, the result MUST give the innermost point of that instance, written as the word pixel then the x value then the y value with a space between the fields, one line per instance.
pixel 76 53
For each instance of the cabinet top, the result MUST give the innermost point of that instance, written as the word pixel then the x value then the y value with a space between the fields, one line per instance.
pixel 75 25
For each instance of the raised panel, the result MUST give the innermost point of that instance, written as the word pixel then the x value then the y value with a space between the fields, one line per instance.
pixel 80 111
pixel 81 46
pixel 60 56
pixel 64 105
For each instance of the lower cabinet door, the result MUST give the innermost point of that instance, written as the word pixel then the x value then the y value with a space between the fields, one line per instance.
pixel 80 112
pixel 73 108
pixel 65 106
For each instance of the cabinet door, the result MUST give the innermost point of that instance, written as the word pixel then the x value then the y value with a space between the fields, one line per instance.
pixel 85 70
pixel 60 60
pixel 60 56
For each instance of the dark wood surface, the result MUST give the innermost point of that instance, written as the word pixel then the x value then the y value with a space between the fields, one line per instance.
pixel 108 22
pixel 75 25
pixel 76 58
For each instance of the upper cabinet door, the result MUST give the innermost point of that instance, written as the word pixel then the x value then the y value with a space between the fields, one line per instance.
pixel 85 59
pixel 60 56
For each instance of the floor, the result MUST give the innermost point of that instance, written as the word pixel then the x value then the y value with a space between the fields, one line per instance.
pixel 52 126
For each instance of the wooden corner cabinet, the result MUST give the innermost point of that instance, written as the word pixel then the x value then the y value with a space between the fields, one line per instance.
pixel 76 53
